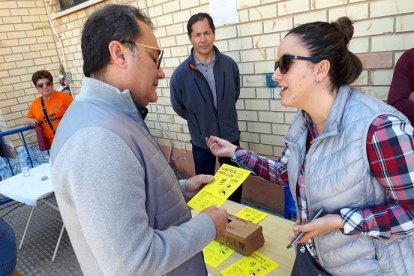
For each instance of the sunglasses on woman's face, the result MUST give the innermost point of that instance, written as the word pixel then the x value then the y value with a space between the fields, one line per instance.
pixel 44 84
pixel 284 61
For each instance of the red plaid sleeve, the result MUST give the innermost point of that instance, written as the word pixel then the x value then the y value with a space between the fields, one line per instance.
pixel 390 149
pixel 271 170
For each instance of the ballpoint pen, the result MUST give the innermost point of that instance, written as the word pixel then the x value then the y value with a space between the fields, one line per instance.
pixel 299 235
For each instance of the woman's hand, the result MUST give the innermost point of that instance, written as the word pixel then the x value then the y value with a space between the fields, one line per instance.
pixel 220 147
pixel 291 238
pixel 31 122
pixel 319 226
pixel 194 184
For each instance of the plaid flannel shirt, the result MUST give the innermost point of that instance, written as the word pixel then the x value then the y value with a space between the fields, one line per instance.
pixel 390 148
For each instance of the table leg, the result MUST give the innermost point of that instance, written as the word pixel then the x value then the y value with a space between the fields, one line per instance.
pixel 27 226
pixel 58 242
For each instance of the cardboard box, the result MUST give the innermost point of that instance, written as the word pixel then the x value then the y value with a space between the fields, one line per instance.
pixel 263 194
pixel 242 236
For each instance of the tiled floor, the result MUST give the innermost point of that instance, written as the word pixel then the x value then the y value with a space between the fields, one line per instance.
pixel 35 256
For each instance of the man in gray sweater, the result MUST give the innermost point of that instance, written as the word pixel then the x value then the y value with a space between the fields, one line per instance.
pixel 121 203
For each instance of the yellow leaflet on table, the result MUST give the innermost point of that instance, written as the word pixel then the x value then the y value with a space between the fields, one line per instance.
pixel 215 253
pixel 251 214
pixel 255 264
pixel 227 179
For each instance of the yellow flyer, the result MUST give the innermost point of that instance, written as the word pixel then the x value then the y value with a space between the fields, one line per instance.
pixel 255 264
pixel 227 179
pixel 215 253
pixel 251 214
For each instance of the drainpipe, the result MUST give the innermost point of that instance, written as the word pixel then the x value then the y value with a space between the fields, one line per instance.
pixel 62 57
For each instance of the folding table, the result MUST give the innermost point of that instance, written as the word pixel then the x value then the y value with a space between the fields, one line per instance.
pixel 31 190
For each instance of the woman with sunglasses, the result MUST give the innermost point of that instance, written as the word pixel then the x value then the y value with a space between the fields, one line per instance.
pixel 346 152
pixel 55 105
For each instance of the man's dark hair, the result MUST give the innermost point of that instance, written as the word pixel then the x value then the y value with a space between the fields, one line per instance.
pixel 200 17
pixel 41 74
pixel 112 22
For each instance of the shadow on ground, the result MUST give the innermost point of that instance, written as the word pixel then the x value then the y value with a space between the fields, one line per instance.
pixel 35 257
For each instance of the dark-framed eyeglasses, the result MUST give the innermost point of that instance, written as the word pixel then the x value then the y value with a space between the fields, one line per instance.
pixel 43 85
pixel 284 61
pixel 158 60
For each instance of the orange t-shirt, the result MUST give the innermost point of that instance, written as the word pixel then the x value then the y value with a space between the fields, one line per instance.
pixel 56 106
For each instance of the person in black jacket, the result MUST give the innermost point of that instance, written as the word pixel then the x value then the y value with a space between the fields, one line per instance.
pixel 204 91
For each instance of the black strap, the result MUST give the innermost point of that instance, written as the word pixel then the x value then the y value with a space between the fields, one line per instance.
pixel 46 115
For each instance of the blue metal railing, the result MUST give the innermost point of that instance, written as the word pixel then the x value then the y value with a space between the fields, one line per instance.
pixel 20 131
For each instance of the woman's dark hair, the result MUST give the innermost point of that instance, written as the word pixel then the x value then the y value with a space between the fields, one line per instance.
pixel 41 74
pixel 200 17
pixel 330 41
pixel 112 22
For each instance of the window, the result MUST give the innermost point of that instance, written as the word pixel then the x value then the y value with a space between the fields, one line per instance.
pixel 66 4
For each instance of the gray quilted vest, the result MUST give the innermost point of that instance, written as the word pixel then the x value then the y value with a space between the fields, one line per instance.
pixel 165 204
pixel 337 175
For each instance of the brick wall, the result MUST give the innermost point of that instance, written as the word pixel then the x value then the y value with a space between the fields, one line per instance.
pixel 26 45
pixel 384 29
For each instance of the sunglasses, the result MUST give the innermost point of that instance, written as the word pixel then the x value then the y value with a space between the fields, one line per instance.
pixel 43 85
pixel 284 61
pixel 158 60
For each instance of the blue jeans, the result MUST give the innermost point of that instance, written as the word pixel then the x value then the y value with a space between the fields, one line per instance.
pixel 205 163
pixel 8 251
